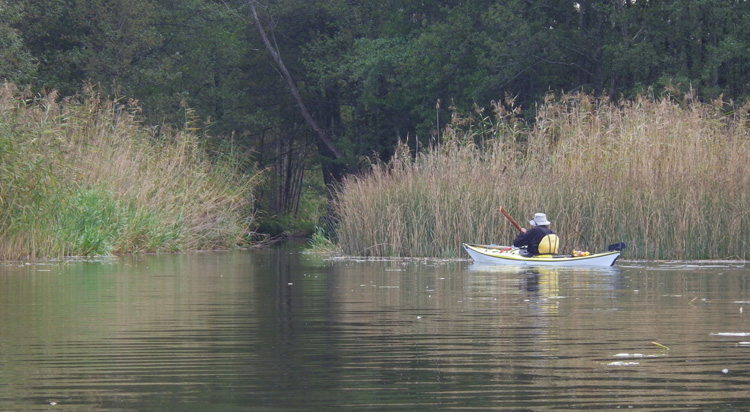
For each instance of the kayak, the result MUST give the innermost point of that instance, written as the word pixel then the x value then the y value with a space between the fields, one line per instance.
pixel 506 255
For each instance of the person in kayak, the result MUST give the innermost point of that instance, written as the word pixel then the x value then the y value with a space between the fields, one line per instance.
pixel 538 240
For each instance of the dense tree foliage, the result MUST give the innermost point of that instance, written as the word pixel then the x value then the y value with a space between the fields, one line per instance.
pixel 370 73
pixel 16 62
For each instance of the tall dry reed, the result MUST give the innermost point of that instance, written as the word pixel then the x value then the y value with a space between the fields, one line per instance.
pixel 82 176
pixel 668 177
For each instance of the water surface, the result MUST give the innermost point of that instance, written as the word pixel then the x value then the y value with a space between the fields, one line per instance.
pixel 280 330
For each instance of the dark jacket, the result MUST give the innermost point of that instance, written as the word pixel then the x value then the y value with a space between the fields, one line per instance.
pixel 531 238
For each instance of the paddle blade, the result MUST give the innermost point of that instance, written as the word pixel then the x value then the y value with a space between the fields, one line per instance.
pixel 617 246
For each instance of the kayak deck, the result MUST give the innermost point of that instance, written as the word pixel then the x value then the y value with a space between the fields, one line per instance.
pixel 505 255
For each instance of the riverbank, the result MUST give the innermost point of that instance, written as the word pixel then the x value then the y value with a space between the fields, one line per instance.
pixel 81 176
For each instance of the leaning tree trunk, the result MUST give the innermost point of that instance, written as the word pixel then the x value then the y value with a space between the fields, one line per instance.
pixel 333 163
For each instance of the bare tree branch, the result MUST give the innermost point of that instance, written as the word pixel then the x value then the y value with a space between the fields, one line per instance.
pixel 320 133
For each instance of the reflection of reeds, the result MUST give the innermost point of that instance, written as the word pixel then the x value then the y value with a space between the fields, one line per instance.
pixel 669 178
pixel 83 177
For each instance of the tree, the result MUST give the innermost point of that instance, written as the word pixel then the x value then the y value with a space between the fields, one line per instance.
pixel 334 168
pixel 17 64
pixel 77 41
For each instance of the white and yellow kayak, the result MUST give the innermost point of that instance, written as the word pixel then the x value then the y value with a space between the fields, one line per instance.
pixel 506 255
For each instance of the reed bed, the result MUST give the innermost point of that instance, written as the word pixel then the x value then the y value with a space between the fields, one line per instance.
pixel 82 176
pixel 668 177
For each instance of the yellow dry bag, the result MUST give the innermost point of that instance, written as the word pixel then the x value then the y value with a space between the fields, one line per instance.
pixel 548 245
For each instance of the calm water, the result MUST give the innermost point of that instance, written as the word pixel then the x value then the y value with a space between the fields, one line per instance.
pixel 278 330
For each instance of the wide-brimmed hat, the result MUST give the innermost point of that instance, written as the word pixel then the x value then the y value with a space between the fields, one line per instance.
pixel 540 219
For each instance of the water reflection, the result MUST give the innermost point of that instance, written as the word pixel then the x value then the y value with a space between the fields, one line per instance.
pixel 279 330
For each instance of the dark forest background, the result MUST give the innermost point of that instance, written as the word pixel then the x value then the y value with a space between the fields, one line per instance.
pixel 370 73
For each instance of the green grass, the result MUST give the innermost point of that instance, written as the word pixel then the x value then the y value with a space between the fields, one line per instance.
pixel 320 242
pixel 667 177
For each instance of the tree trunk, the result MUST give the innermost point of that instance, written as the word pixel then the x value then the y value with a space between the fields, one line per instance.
pixel 333 164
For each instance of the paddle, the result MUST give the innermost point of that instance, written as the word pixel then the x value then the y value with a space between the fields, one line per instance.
pixel 510 219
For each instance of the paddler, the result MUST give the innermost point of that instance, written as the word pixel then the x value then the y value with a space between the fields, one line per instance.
pixel 540 239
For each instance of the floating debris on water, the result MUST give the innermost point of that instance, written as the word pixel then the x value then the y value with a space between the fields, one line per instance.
pixel 626 355
pixel 636 355
pixel 660 345
pixel 621 363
